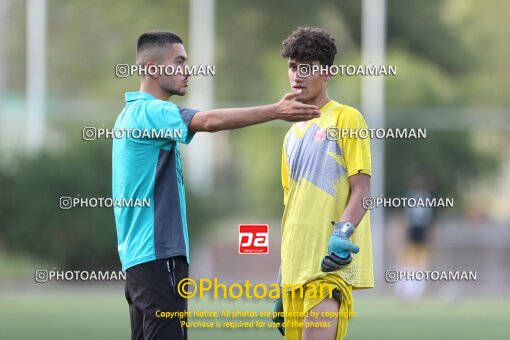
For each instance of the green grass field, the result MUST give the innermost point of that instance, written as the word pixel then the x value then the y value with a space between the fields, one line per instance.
pixel 97 313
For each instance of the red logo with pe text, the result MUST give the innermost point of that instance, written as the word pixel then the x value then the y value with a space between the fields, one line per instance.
pixel 253 239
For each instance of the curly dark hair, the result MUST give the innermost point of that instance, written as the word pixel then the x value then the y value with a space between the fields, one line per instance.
pixel 307 44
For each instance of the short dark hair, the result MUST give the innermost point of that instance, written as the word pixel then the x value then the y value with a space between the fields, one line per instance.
pixel 308 44
pixel 155 40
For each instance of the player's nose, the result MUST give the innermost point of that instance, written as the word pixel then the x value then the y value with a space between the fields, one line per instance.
pixel 296 79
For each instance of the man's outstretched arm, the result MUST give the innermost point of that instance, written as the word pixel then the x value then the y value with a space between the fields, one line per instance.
pixel 225 119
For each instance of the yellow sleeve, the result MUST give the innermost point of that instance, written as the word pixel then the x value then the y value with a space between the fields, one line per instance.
pixel 285 177
pixel 356 150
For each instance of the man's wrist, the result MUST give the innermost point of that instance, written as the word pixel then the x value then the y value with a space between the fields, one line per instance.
pixel 342 228
pixel 273 111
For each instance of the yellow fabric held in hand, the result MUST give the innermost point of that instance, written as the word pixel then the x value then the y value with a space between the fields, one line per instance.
pixel 314 293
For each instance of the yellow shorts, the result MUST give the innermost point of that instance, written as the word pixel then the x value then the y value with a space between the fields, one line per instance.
pixel 298 303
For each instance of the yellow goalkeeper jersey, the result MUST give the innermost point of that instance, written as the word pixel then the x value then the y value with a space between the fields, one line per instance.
pixel 317 159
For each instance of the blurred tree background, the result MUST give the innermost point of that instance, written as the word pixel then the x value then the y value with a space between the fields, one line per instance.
pixel 448 53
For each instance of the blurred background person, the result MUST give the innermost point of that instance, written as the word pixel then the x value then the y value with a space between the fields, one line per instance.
pixel 419 221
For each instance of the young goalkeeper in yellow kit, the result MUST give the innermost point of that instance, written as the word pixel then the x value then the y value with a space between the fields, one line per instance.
pixel 325 176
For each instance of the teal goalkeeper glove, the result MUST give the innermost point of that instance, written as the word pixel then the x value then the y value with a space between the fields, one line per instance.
pixel 278 314
pixel 339 248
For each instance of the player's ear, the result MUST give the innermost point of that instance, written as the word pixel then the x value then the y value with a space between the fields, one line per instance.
pixel 326 76
pixel 151 68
